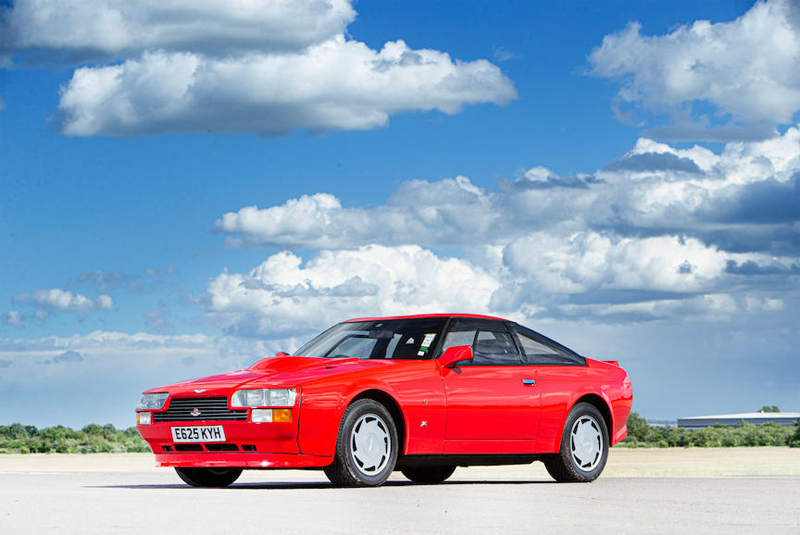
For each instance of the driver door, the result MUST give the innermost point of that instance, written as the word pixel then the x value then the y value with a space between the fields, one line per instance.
pixel 492 398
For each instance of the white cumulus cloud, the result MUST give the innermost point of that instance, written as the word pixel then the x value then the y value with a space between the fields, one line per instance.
pixel 268 67
pixel 660 232
pixel 419 212
pixel 747 68
pixel 284 295
pixel 337 85
pixel 739 199
pixel 63 300
pixel 592 261
pixel 13 318
pixel 123 27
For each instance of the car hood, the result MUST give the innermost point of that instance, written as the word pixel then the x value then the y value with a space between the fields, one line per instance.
pixel 277 372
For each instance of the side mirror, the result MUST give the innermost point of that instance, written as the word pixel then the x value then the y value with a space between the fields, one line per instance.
pixel 281 354
pixel 454 355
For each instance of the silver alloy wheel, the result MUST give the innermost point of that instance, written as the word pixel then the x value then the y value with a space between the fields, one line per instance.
pixel 370 444
pixel 586 443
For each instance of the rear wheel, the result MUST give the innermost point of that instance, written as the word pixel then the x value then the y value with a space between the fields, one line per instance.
pixel 366 448
pixel 429 474
pixel 584 447
pixel 209 477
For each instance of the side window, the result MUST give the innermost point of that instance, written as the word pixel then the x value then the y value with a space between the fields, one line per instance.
pixel 495 348
pixel 537 351
pixel 492 343
pixel 459 338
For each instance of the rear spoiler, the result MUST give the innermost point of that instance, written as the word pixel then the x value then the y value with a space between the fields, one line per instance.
pixel 612 362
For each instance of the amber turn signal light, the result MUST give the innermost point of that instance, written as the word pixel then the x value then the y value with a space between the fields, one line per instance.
pixel 281 415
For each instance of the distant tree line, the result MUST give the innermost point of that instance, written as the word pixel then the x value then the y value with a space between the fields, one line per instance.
pixel 18 438
pixel 642 434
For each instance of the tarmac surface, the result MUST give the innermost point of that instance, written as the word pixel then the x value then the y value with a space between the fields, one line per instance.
pixel 518 499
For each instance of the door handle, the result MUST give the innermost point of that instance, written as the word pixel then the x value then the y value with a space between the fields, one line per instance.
pixel 529 382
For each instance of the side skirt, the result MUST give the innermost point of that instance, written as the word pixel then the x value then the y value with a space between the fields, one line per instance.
pixel 415 461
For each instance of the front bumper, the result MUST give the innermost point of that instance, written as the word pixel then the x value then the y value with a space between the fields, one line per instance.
pixel 246 445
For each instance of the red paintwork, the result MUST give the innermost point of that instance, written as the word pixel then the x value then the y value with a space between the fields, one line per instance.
pixel 242 460
pixel 455 355
pixel 465 410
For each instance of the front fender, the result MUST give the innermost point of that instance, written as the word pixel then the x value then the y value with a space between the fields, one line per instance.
pixel 416 389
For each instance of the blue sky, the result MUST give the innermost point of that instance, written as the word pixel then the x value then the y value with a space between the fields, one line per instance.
pixel 181 193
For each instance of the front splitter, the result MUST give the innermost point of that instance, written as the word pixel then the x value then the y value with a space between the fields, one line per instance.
pixel 241 460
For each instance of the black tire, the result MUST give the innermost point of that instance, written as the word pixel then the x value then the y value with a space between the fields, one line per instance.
pixel 428 474
pixel 584 447
pixel 209 477
pixel 366 447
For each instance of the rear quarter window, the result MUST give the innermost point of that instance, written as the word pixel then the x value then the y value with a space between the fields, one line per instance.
pixel 539 350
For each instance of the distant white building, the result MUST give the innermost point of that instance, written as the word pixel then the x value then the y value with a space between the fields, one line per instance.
pixel 732 420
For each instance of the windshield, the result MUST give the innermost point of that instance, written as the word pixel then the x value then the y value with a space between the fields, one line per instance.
pixel 384 339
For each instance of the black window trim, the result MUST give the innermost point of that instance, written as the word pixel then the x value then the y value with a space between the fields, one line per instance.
pixel 440 342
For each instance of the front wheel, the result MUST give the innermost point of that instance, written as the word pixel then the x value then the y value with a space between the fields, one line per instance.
pixel 366 447
pixel 584 447
pixel 209 477
pixel 429 474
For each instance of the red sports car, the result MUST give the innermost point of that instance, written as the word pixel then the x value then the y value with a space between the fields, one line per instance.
pixel 420 394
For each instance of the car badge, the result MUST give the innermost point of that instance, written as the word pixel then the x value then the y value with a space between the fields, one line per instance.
pixel 195 412
pixel 200 391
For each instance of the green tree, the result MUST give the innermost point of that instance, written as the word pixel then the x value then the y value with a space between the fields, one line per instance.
pixel 638 428
pixel 769 408
pixel 17 431
pixel 794 440
pixel 93 430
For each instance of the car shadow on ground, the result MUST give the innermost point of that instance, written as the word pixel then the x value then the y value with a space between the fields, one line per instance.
pixel 295 485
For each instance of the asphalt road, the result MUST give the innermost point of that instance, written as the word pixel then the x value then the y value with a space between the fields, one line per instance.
pixel 496 500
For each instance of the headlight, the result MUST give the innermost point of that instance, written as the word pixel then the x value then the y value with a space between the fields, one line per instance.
pixel 275 397
pixel 152 401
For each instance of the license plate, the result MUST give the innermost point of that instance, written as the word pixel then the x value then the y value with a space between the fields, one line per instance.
pixel 202 433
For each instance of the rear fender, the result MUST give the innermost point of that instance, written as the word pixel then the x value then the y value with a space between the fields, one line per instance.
pixel 600 399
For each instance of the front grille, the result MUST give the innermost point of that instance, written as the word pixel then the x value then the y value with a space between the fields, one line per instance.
pixel 222 447
pixel 188 447
pixel 180 410
pixel 202 448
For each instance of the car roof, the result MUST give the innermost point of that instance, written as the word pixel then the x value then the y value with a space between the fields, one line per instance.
pixel 414 316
